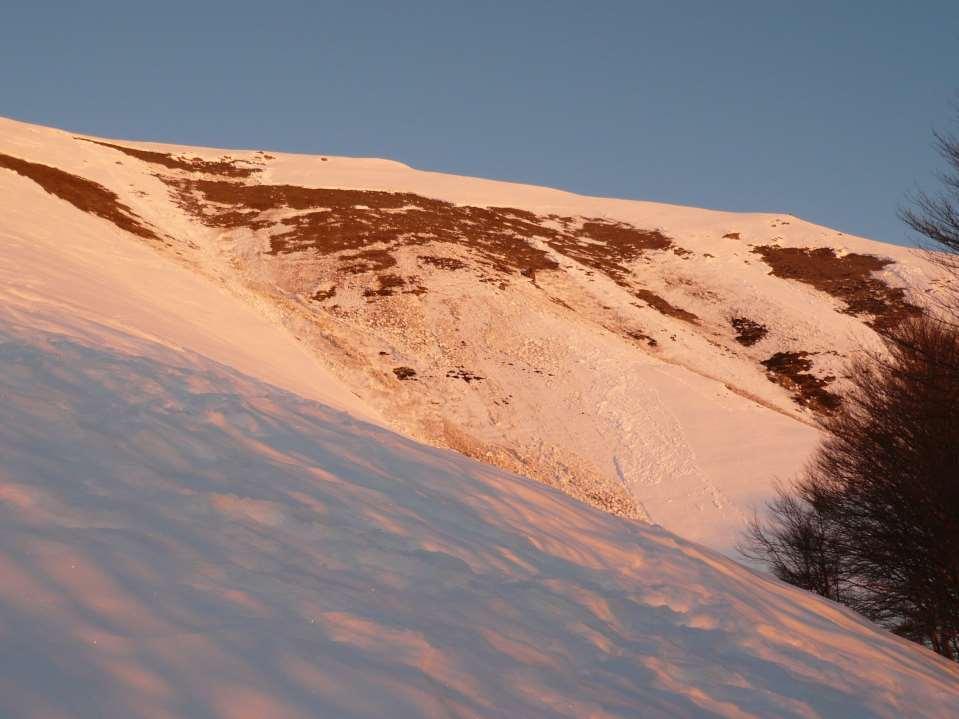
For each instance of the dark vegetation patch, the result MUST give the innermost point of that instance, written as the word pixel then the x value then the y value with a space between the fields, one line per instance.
pixel 391 284
pixel 524 215
pixel 608 246
pixel 464 374
pixel 367 261
pixel 404 373
pixel 388 284
pixel 848 278
pixel 352 220
pixel 323 295
pixel 748 332
pixel 224 167
pixel 561 303
pixel 444 263
pixel 85 195
pixel 791 370
pixel 643 337
pixel 535 370
pixel 663 307
pixel 363 228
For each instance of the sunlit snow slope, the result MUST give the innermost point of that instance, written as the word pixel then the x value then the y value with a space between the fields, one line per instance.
pixel 198 519
pixel 658 362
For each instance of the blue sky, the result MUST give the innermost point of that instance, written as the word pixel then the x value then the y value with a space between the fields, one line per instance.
pixel 821 109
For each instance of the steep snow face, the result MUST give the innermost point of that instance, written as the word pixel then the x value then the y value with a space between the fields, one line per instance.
pixel 659 362
pixel 179 538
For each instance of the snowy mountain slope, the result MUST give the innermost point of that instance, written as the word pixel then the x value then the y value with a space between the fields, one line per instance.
pixel 67 268
pixel 655 361
pixel 199 518
pixel 186 531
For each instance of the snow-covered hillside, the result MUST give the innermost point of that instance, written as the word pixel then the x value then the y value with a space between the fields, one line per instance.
pixel 199 519
pixel 659 362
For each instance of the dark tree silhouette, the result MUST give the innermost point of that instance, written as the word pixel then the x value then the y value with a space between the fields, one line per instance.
pixel 797 545
pixel 873 521
pixel 936 217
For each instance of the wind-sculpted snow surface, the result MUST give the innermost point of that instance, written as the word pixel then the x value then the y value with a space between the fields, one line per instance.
pixel 178 539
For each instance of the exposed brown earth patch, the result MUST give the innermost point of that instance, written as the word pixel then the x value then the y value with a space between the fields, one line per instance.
pixel 464 374
pixel 391 284
pixel 848 278
pixel 561 303
pixel 323 295
pixel 664 307
pixel 404 373
pixel 371 225
pixel 443 263
pixel 350 220
pixel 748 332
pixel 85 195
pixel 792 371
pixel 388 284
pixel 643 337
pixel 364 228
pixel 367 261
pixel 731 236
pixel 608 246
pixel 224 167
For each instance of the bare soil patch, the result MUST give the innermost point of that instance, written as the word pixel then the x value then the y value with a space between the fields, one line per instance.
pixel 464 374
pixel 364 228
pixel 391 284
pixel 404 373
pixel 663 307
pixel 848 278
pixel 608 246
pixel 748 332
pixel 791 370
pixel 643 337
pixel 352 220
pixel 443 263
pixel 367 261
pixel 85 195
pixel 225 167
pixel 323 295
pixel 388 284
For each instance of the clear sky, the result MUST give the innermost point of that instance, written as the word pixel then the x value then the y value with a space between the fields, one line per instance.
pixel 820 109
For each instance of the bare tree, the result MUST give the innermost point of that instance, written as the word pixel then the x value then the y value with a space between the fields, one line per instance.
pixel 796 544
pixel 873 521
pixel 886 483
pixel 935 218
